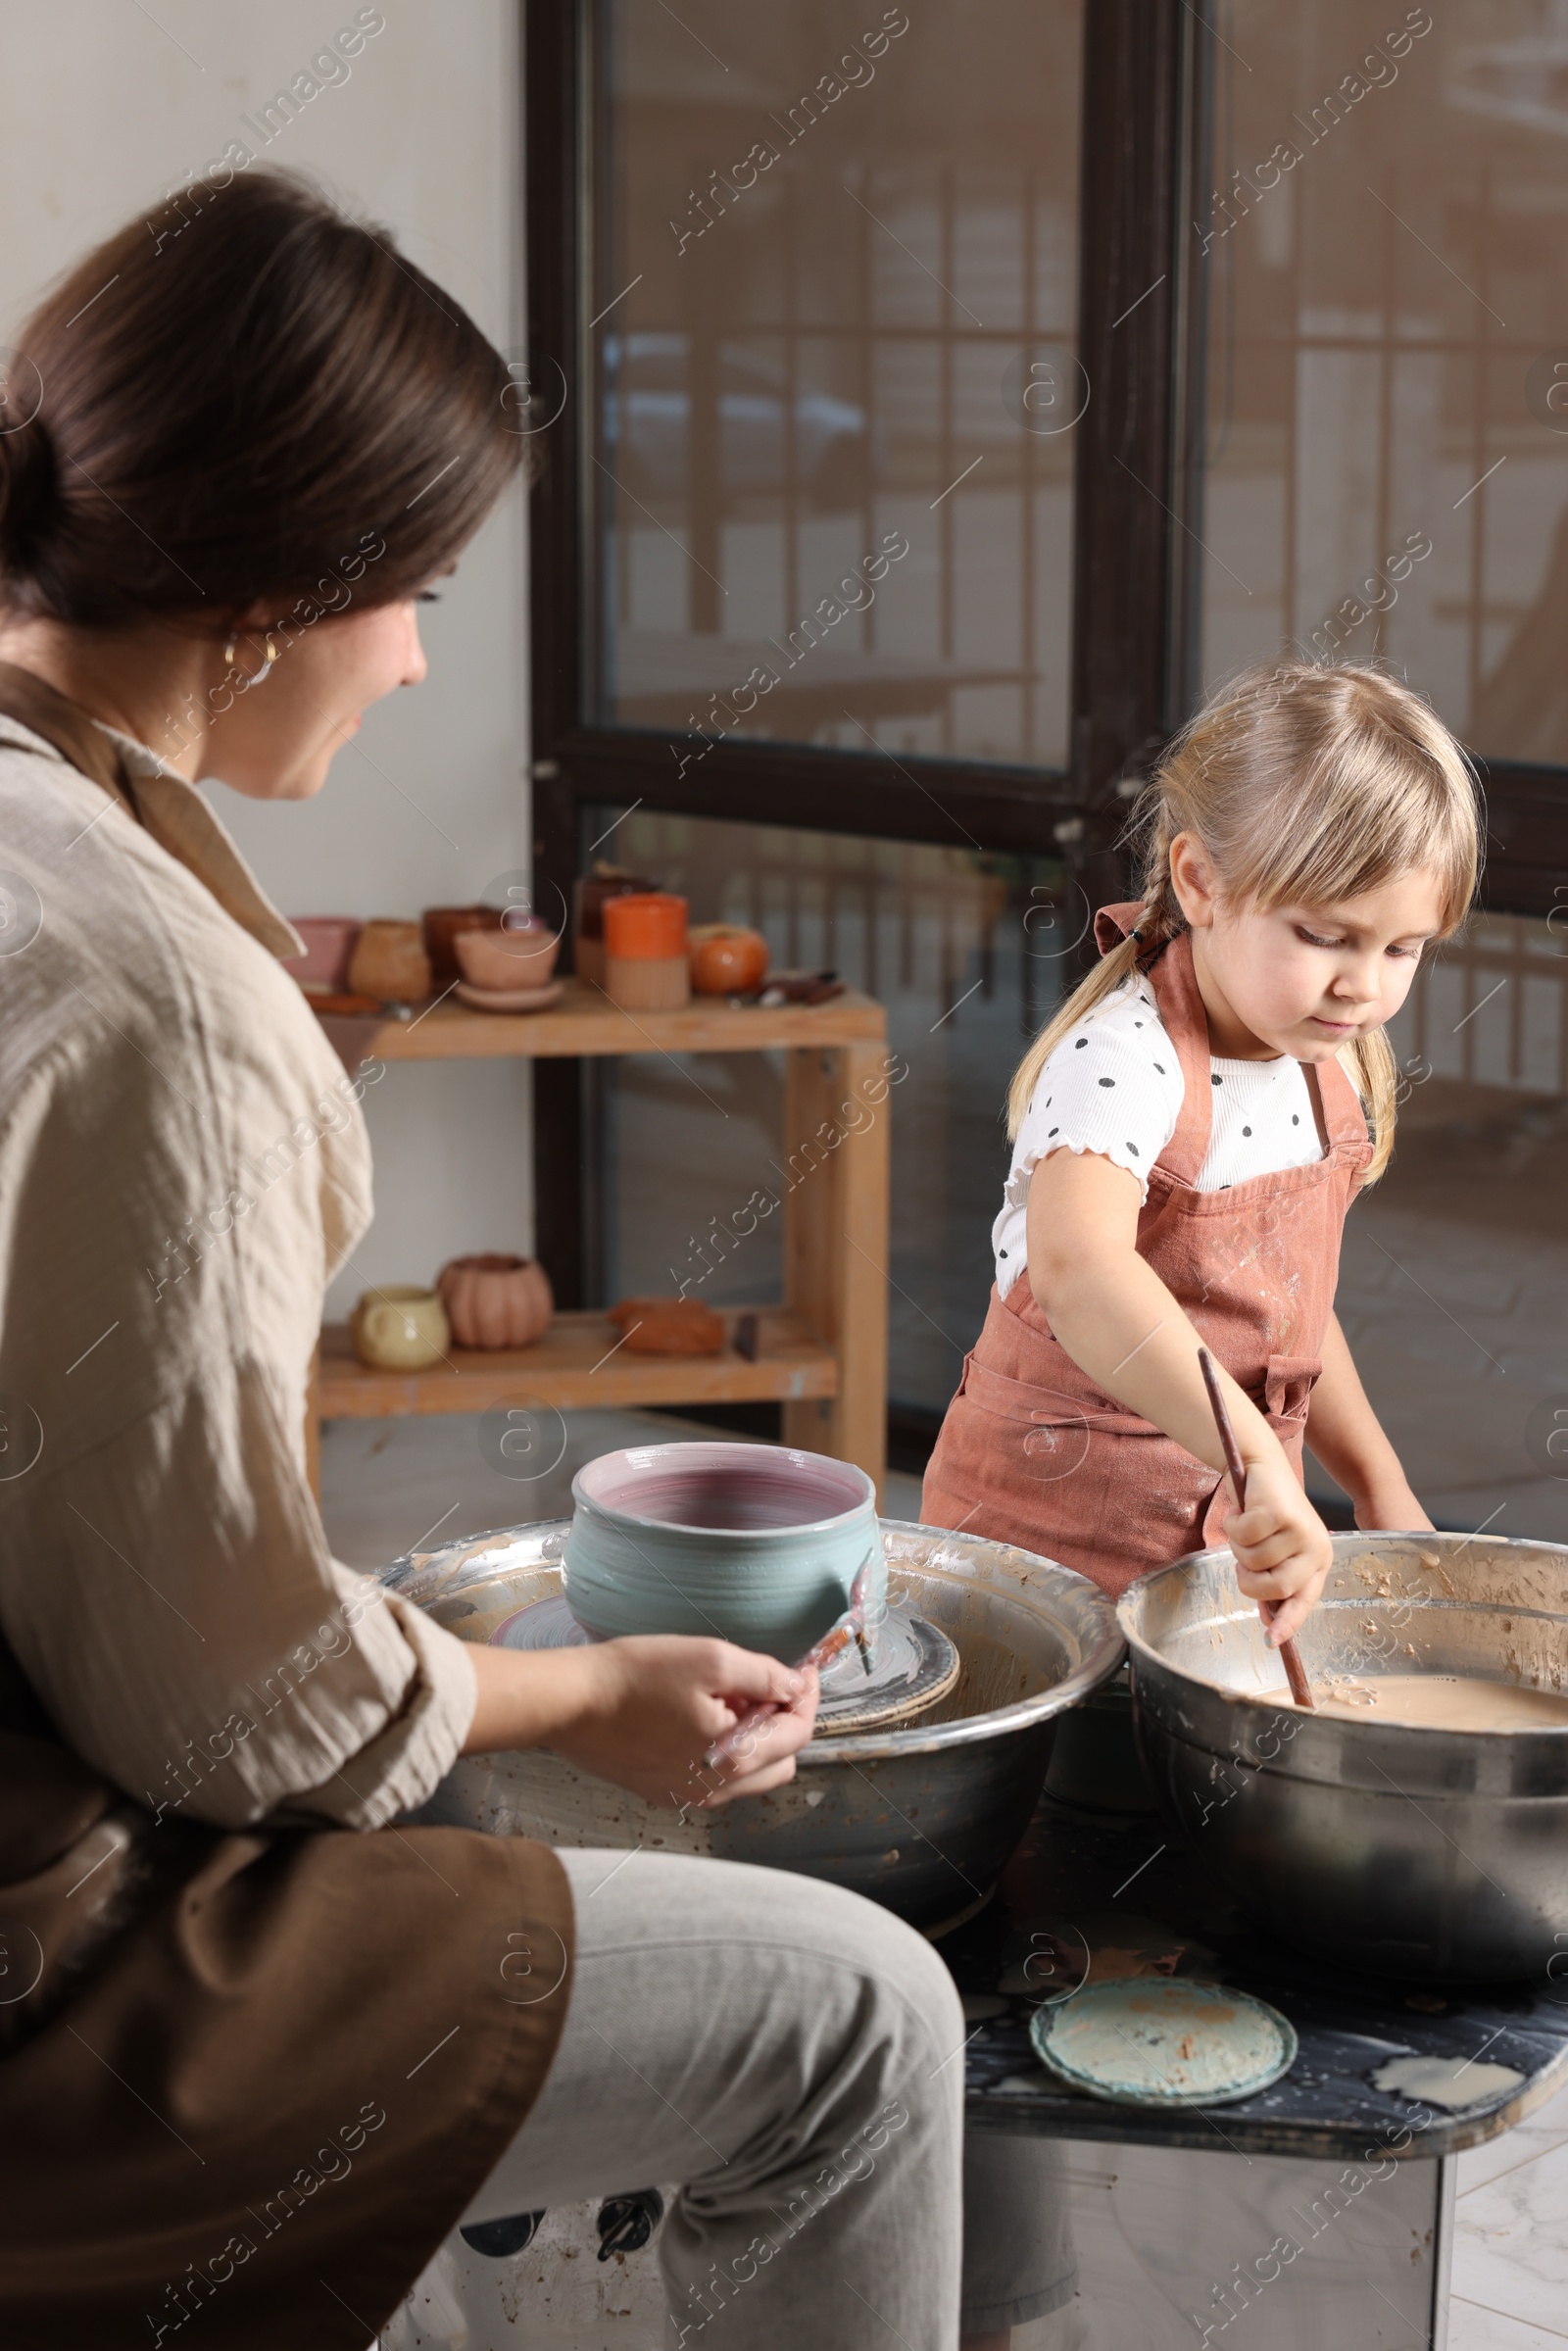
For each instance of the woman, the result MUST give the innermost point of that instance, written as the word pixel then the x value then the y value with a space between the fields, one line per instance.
pixel 259 2048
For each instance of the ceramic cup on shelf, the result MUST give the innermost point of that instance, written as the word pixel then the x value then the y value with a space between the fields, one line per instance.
pixel 441 925
pixel 390 965
pixel 329 944
pixel 520 953
pixel 589 895
pixel 758 1543
pixel 494 1301
pixel 401 1328
pixel 646 969
pixel 727 959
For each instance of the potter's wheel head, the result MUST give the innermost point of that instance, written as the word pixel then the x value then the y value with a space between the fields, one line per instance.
pixel 914 1665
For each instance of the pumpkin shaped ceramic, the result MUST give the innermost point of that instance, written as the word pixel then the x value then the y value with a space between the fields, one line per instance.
pixel 727 959
pixel 494 1301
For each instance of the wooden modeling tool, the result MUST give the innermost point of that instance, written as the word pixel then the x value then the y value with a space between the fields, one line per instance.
pixel 849 1627
pixel 1295 1670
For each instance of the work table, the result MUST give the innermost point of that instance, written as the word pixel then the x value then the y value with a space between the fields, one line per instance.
pixel 1183 2218
pixel 1072 1862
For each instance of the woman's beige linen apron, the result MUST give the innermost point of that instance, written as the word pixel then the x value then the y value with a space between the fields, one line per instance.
pixel 248 2082
pixel 1032 1453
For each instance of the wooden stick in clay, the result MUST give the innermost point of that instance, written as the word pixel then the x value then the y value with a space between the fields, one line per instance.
pixel 1295 1670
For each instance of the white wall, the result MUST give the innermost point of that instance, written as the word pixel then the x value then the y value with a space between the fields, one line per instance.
pixel 102 111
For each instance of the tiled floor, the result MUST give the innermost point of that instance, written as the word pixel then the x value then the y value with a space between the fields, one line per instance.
pixel 389 1486
pixel 1510 2256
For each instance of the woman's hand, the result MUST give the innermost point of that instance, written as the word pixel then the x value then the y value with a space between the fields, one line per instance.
pixel 645 1711
pixel 662 1701
pixel 1282 1547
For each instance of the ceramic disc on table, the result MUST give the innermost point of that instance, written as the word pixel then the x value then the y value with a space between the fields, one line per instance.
pixel 1156 2040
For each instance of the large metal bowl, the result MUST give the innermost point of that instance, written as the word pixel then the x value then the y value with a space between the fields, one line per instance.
pixel 922 1820
pixel 1388 1848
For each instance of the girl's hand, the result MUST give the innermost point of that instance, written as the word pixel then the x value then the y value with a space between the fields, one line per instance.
pixel 653 1704
pixel 1282 1547
pixel 1393 1505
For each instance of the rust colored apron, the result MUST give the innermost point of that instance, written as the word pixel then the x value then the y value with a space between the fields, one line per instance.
pixel 248 2082
pixel 1032 1453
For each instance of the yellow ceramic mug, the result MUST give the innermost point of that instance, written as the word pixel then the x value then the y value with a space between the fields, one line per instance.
pixel 399 1329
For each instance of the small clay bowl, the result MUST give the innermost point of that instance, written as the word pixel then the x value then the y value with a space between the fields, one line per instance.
pixel 756 1543
pixel 441 925
pixel 519 954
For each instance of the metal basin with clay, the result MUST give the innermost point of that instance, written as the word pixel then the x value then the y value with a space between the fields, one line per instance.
pixel 920 1817
pixel 1392 1848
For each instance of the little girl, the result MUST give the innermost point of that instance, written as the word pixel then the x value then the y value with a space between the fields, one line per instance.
pixel 1188 1133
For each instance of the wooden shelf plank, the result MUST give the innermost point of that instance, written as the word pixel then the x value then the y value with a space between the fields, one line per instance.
pixel 586 1022
pixel 579 1366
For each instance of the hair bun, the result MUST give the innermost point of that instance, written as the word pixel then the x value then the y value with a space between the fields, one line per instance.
pixel 28 482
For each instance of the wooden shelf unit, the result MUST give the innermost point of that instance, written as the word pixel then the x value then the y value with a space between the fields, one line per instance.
pixel 582 1362
pixel 822 1354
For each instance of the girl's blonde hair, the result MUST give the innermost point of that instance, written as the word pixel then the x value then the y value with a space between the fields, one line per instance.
pixel 1307 784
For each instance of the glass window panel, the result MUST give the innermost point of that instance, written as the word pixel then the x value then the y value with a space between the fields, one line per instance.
pixel 1386 249
pixel 1454 1276
pixel 966 952
pixel 837 284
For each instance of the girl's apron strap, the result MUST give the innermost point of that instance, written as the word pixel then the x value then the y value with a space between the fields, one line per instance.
pixel 1181 1009
pixel 1343 1119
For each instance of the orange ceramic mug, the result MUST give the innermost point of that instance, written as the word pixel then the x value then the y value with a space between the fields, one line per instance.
pixel 647 926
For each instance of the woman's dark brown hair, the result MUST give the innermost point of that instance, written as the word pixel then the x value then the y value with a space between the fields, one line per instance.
pixel 234 402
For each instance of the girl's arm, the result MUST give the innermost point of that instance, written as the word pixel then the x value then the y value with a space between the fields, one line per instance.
pixel 1121 1325
pixel 1346 1434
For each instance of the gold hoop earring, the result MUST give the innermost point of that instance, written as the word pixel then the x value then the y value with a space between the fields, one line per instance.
pixel 253 677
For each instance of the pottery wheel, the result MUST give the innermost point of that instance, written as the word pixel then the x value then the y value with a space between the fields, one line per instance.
pixel 914 1664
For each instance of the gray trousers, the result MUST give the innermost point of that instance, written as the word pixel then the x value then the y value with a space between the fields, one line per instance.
pixel 1018 2261
pixel 789 2056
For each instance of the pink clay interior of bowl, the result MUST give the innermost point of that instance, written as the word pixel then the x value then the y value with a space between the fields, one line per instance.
pixel 734 1488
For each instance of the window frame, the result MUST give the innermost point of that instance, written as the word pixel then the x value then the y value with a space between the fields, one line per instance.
pixel 1137 527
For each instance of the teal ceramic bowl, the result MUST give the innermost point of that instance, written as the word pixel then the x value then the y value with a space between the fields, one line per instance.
pixel 756 1543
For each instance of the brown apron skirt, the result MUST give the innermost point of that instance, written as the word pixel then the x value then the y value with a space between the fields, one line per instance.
pixel 249 2082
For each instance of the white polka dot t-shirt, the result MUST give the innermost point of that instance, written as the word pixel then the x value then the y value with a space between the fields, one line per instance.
pixel 1114 1086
